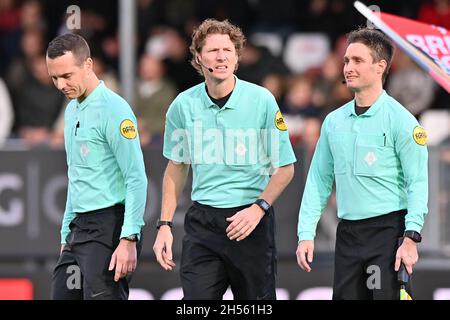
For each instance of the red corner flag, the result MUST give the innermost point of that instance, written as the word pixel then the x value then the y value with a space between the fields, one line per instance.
pixel 428 45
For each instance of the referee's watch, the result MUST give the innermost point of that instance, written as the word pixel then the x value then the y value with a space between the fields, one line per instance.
pixel 263 204
pixel 163 223
pixel 413 235
pixel 132 237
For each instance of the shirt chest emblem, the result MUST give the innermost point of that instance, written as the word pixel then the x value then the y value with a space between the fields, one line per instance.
pixel 370 158
pixel 241 149
pixel 84 150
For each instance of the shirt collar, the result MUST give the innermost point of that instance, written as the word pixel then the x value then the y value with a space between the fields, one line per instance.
pixel 97 90
pixel 373 108
pixel 232 101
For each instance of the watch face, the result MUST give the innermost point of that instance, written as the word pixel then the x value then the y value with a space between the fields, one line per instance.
pixel 263 204
pixel 133 237
pixel 414 235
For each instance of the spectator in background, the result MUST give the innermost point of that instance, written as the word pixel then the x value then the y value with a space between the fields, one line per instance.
pixel 299 98
pixel 9 32
pixel 154 95
pixel 310 135
pixel 340 94
pixel 299 106
pixel 150 14
pixel 329 91
pixel 168 45
pixel 32 46
pixel 435 12
pixel 315 16
pixel 274 16
pixel 31 16
pixel 6 113
pixel 104 72
pixel 38 105
pixel 238 11
pixel 257 63
pixel 410 85
pixel 329 76
pixel 275 83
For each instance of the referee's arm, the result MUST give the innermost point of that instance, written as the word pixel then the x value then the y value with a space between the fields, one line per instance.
pixel 173 184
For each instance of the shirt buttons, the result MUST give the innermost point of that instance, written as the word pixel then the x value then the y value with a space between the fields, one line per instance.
pixel 219 120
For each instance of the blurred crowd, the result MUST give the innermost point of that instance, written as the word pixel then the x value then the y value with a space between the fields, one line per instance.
pixel 294 48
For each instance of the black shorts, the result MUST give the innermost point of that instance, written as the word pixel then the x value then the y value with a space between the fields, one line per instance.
pixel 81 272
pixel 211 262
pixel 364 249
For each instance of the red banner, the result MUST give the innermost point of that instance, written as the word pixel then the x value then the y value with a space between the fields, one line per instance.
pixel 432 40
pixel 427 44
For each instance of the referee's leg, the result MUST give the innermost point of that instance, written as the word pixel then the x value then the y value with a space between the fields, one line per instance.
pixel 251 263
pixel 349 275
pixel 202 271
pixel 382 250
pixel 98 282
pixel 67 279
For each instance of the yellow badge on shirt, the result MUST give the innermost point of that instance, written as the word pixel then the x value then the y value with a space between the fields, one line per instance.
pixel 420 135
pixel 279 121
pixel 128 129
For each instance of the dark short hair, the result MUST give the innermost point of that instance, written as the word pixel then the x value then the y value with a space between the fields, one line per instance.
pixel 69 42
pixel 381 47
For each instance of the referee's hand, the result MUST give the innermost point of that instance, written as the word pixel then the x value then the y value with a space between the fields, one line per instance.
pixel 243 222
pixel 305 254
pixel 124 259
pixel 163 248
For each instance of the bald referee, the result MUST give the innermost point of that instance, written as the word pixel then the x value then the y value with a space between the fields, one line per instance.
pixel 101 229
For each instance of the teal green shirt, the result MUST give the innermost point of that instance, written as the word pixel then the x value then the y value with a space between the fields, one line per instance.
pixel 104 158
pixel 233 149
pixel 378 160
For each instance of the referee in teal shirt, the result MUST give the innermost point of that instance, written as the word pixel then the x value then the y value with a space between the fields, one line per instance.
pixel 107 188
pixel 376 152
pixel 233 135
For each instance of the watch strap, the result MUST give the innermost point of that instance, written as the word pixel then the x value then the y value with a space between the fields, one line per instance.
pixel 263 204
pixel 131 237
pixel 160 223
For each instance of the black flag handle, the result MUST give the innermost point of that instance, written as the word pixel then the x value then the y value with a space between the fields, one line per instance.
pixel 402 275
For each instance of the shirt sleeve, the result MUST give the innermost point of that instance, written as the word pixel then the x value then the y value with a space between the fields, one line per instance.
pixel 69 214
pixel 276 142
pixel 319 184
pixel 176 145
pixel 123 139
pixel 68 217
pixel 411 148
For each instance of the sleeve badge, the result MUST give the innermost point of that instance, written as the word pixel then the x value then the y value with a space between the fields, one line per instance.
pixel 128 129
pixel 420 135
pixel 279 121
